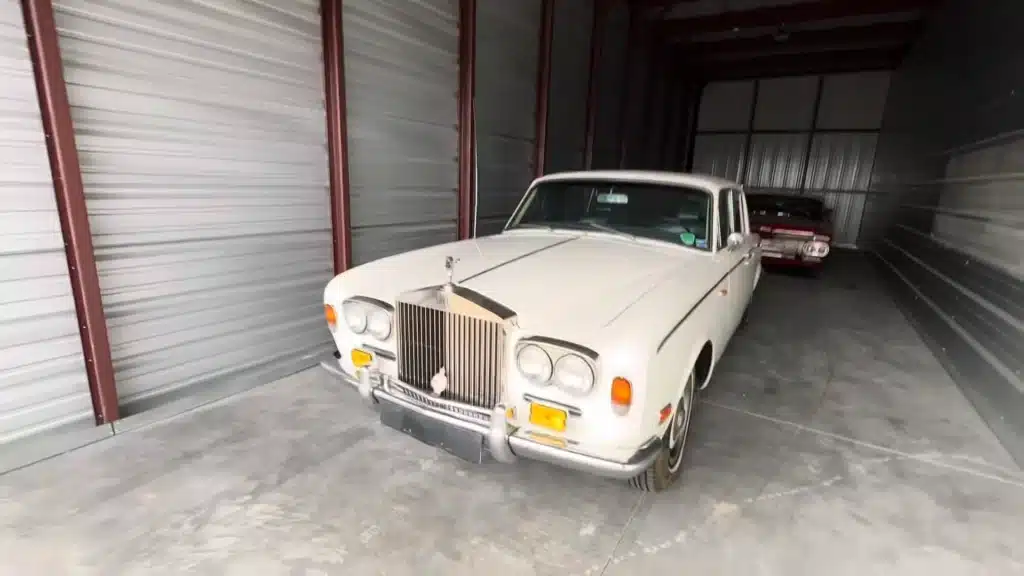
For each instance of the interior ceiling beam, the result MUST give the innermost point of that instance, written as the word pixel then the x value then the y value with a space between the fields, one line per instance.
pixel 883 34
pixel 831 62
pixel 787 14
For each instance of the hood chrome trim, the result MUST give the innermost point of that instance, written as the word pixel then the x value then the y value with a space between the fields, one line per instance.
pixel 446 298
pixel 518 258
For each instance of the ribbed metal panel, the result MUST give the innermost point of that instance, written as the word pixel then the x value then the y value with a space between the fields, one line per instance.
pixel 611 87
pixel 507 41
pixel 840 173
pixel 719 155
pixel 853 101
pixel 841 161
pixel 42 370
pixel 200 127
pixel 776 161
pixel 570 77
pixel 401 74
pixel 948 205
pixel 638 91
pixel 786 103
pixel 726 106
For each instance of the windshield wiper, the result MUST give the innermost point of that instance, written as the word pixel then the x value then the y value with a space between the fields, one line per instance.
pixel 609 230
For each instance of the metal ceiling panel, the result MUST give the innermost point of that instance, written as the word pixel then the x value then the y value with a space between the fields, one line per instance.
pixel 401 76
pixel 508 38
pixel 43 384
pixel 201 133
pixel 570 79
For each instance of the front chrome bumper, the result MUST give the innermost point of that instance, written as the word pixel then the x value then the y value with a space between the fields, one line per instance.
pixel 500 438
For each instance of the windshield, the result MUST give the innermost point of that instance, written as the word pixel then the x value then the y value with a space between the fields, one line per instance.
pixel 675 214
pixel 785 206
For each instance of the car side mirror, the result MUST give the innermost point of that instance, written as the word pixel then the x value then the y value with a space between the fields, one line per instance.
pixel 734 240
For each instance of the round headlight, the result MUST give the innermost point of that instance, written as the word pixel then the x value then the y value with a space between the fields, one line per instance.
pixel 534 364
pixel 574 374
pixel 379 324
pixel 356 319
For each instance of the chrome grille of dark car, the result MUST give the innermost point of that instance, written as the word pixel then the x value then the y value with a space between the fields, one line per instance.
pixel 472 351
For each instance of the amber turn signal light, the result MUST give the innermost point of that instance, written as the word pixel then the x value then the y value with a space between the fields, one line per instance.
pixel 330 315
pixel 622 392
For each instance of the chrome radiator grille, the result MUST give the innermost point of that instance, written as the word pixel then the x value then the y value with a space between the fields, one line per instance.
pixel 471 350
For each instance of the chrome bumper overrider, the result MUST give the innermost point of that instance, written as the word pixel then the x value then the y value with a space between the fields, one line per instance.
pixel 499 437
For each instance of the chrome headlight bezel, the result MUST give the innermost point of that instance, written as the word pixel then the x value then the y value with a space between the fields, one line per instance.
pixel 541 376
pixel 561 356
pixel 586 374
pixel 369 317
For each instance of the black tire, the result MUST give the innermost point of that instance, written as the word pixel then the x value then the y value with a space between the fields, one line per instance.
pixel 668 466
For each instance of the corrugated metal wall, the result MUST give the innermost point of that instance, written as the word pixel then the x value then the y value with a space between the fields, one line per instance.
pixel 948 202
pixel 570 80
pixel 43 384
pixel 401 75
pixel 639 86
pixel 612 86
pixel 508 40
pixel 201 134
pixel 808 134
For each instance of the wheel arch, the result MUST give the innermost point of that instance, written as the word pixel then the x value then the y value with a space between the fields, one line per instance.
pixel 703 364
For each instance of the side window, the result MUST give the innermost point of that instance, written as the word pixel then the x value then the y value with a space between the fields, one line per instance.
pixel 724 219
pixel 737 211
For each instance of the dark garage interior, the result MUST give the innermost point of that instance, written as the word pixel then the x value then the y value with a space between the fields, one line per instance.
pixel 181 179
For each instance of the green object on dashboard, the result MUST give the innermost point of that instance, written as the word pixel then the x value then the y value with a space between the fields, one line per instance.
pixel 688 238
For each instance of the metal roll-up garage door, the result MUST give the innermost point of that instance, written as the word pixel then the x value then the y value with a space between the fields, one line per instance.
pixel 201 133
pixel 507 41
pixel 570 78
pixel 402 77
pixel 43 384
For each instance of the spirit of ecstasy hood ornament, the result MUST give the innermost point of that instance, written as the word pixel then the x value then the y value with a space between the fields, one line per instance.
pixel 449 265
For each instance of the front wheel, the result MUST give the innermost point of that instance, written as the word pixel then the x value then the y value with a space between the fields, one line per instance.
pixel 667 468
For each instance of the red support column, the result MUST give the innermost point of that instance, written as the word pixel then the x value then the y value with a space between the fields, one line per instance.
pixel 467 117
pixel 596 40
pixel 547 26
pixel 70 193
pixel 337 131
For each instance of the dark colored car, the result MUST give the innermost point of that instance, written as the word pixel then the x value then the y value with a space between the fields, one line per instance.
pixel 794 230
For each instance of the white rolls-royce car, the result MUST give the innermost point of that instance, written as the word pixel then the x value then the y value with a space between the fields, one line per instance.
pixel 578 336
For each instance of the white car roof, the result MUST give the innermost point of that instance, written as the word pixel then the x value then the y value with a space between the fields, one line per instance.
pixel 647 176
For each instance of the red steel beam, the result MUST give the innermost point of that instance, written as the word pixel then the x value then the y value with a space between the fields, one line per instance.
pixel 596 41
pixel 788 14
pixel 70 194
pixel 547 26
pixel 337 131
pixel 804 64
pixel 467 116
pixel 805 40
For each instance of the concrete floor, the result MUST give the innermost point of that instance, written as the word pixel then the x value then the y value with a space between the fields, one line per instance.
pixel 831 442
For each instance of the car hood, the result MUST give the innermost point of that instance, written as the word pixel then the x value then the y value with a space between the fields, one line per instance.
pixel 549 279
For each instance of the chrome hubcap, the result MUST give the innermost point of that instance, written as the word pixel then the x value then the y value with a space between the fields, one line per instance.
pixel 680 426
